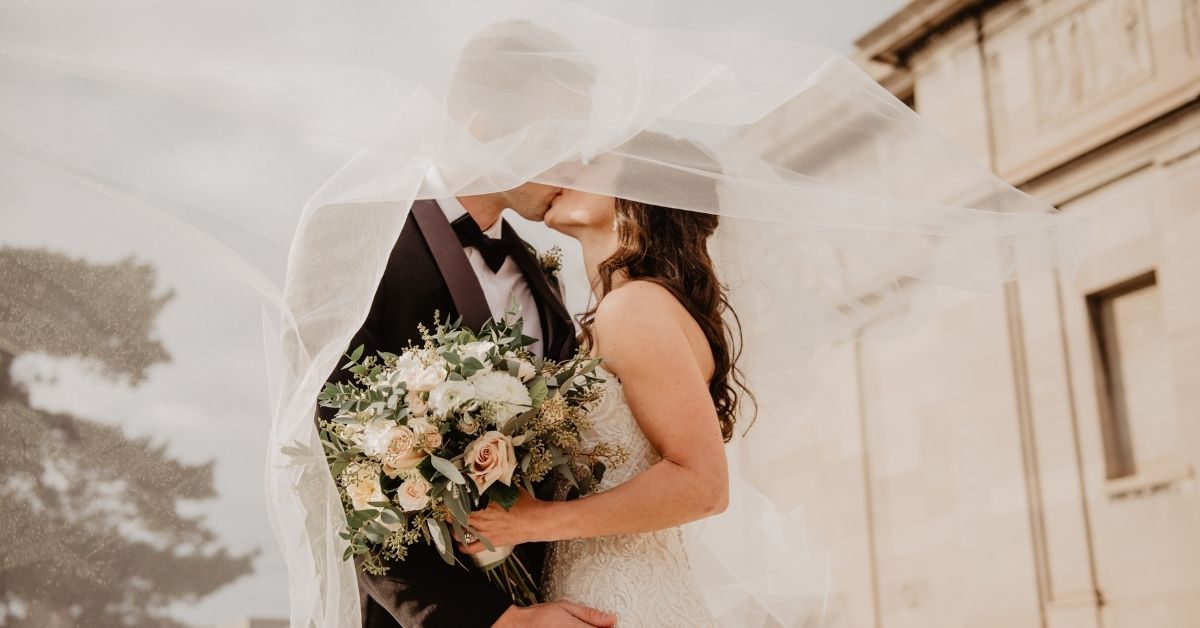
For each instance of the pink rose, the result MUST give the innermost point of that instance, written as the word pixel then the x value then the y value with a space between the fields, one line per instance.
pixel 413 494
pixel 402 450
pixel 491 458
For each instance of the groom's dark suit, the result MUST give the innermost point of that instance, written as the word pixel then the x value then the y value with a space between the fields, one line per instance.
pixel 429 271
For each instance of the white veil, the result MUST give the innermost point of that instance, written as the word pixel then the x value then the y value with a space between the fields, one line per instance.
pixel 287 139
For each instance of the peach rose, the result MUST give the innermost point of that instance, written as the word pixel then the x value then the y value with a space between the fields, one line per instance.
pixel 413 494
pixel 431 441
pixel 416 404
pixel 491 458
pixel 402 449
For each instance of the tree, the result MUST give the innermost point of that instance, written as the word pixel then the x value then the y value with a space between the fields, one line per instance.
pixel 90 531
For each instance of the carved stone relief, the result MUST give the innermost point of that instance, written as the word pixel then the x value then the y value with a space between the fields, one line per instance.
pixel 1191 26
pixel 1089 54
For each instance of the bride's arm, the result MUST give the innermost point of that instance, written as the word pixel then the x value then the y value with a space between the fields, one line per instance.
pixel 640 332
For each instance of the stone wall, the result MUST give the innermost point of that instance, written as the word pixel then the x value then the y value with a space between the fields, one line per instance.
pixel 1029 459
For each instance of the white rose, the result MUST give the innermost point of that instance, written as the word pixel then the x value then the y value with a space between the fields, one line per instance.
pixel 413 494
pixel 421 425
pixel 507 394
pixel 405 365
pixel 418 376
pixel 490 459
pixel 375 437
pixel 363 489
pixel 351 432
pixel 501 388
pixel 478 350
pixel 448 396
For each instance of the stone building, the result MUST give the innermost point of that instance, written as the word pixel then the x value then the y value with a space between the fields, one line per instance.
pixel 1030 458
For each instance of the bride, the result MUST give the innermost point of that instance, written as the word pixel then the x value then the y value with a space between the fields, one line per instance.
pixel 672 401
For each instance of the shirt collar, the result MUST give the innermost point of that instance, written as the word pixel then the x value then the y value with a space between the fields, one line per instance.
pixel 453 208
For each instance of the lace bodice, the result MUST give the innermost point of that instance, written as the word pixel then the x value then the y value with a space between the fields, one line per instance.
pixel 643 578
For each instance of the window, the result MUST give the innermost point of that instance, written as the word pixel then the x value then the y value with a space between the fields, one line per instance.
pixel 1134 379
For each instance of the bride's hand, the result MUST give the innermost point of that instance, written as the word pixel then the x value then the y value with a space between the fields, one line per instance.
pixel 522 524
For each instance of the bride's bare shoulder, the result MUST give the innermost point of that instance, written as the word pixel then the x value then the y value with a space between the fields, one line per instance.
pixel 637 309
pixel 637 298
pixel 641 328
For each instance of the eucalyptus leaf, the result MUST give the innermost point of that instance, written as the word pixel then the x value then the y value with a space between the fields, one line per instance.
pixel 513 367
pixel 337 467
pixel 473 364
pixel 519 422
pixel 366 514
pixel 538 390
pixel 458 507
pixel 458 529
pixel 565 471
pixel 373 534
pixel 447 468
pixel 441 539
pixel 504 495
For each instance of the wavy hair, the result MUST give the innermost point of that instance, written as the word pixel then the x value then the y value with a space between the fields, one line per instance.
pixel 669 247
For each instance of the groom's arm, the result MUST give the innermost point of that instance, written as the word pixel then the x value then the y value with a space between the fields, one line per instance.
pixel 422 590
pixel 370 336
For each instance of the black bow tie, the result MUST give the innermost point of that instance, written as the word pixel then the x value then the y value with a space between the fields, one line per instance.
pixel 494 250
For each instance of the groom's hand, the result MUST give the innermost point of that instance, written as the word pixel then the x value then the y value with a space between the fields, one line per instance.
pixel 557 614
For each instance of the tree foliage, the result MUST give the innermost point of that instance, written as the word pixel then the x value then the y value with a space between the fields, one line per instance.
pixel 92 532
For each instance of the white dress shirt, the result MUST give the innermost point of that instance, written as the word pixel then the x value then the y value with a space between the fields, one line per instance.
pixel 503 286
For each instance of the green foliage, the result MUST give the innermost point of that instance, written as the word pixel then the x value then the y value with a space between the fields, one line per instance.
pixel 377 414
pixel 92 531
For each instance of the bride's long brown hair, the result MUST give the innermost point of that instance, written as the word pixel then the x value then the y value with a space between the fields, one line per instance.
pixel 669 247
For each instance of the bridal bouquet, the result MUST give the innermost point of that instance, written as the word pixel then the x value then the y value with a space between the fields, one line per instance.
pixel 423 438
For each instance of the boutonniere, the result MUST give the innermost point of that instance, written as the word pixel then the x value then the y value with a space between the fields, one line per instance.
pixel 551 263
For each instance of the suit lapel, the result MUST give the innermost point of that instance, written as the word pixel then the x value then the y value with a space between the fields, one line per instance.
pixel 558 332
pixel 452 262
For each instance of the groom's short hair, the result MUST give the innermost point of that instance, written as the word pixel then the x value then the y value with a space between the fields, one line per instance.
pixel 518 73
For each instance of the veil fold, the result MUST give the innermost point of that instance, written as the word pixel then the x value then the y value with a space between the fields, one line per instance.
pixel 287 139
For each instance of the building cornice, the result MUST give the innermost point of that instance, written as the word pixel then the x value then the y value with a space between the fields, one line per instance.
pixel 908 29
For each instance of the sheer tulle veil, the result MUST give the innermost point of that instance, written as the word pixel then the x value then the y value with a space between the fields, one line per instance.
pixel 288 139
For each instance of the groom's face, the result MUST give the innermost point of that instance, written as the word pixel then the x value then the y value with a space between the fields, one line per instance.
pixel 531 200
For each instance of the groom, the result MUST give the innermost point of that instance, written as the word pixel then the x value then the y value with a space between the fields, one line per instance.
pixel 457 257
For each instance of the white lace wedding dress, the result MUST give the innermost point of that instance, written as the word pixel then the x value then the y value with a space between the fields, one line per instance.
pixel 643 578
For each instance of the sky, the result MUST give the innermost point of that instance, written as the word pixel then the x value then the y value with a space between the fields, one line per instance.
pixel 214 332
pixel 835 23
